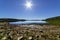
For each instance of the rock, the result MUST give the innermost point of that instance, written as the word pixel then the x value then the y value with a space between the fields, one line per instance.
pixel 20 38
pixel 30 38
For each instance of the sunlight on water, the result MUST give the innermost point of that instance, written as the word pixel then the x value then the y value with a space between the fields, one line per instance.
pixel 28 22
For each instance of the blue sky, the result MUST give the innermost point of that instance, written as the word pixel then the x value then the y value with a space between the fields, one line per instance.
pixel 41 9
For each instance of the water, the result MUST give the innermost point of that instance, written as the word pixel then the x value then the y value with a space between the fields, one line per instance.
pixel 26 22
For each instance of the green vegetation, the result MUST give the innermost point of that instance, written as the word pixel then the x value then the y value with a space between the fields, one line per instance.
pixel 53 20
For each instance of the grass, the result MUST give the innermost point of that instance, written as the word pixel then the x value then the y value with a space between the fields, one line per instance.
pixel 48 32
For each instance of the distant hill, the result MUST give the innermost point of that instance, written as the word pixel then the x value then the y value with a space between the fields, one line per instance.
pixel 53 20
pixel 10 20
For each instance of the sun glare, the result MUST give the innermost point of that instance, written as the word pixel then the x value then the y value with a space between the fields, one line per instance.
pixel 28 4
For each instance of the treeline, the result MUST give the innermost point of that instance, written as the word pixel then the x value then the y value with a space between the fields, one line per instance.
pixel 53 20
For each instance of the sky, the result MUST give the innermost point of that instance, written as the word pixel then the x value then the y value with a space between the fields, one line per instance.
pixel 40 9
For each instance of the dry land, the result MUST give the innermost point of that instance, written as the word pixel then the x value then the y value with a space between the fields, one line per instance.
pixel 30 32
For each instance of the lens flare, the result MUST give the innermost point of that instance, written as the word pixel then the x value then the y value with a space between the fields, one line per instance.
pixel 28 4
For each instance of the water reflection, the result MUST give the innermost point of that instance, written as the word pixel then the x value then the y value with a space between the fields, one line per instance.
pixel 28 22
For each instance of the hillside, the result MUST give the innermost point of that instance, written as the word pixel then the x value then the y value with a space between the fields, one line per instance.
pixel 53 20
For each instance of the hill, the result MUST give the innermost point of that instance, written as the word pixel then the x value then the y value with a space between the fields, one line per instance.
pixel 53 20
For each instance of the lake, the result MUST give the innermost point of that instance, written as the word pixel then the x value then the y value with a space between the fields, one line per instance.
pixel 28 22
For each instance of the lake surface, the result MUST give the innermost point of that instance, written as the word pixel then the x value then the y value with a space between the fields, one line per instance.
pixel 28 22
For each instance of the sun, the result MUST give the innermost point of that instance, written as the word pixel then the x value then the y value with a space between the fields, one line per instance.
pixel 28 4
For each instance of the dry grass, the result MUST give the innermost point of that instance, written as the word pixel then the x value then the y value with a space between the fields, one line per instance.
pixel 35 32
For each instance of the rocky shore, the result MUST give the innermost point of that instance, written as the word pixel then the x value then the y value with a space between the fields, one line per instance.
pixel 30 32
